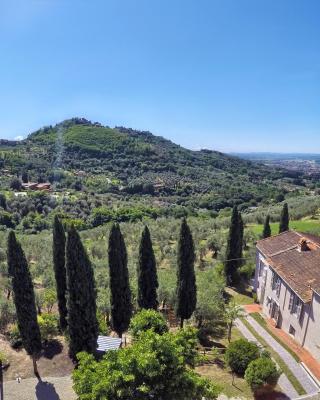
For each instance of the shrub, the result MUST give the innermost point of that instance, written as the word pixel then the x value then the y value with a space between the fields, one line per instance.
pixel 262 372
pixel 48 324
pixel 14 337
pixel 3 358
pixel 239 355
pixel 148 320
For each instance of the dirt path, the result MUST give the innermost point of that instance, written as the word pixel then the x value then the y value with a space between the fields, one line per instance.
pixel 51 388
pixel 54 361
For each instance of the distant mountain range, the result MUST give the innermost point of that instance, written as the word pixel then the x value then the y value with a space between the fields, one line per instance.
pixel 278 156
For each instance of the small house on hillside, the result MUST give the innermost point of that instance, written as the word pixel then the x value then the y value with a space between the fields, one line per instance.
pixel 287 283
pixel 37 186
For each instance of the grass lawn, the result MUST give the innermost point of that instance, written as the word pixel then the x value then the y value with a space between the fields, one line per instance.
pixel 304 225
pixel 221 374
pixel 283 366
pixel 241 295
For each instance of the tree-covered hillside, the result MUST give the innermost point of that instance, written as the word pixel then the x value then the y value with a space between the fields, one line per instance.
pixel 128 161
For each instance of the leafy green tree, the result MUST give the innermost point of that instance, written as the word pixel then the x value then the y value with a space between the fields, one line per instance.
pixel 210 309
pixel 49 299
pixel 24 299
pixel 266 228
pixel 186 278
pixel 25 177
pixel 232 312
pixel 239 355
pixel 154 367
pixel 262 372
pixel 147 273
pixel 48 325
pixel 284 219
pixel 15 184
pixel 82 320
pixel 59 260
pixel 121 306
pixel 145 320
pixel 233 259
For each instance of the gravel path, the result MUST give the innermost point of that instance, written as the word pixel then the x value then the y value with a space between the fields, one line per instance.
pixel 283 382
pixel 51 388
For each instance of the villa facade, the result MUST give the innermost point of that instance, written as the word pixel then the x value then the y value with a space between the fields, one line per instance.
pixel 287 284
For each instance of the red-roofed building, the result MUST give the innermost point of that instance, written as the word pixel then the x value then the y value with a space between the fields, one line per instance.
pixel 287 283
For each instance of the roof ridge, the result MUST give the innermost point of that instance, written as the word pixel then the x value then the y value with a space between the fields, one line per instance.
pixel 279 234
pixel 283 251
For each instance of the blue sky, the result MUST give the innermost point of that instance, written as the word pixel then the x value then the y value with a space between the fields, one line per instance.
pixel 231 75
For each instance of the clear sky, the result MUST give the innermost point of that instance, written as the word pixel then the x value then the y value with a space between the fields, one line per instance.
pixel 231 75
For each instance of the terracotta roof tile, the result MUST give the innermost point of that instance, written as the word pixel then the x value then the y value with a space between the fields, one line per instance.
pixel 299 269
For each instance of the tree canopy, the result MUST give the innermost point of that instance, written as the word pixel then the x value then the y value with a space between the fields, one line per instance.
pixel 186 278
pixel 24 298
pixel 154 367
pixel 82 320
pixel 121 306
pixel 147 273
pixel 284 219
pixel 233 259
pixel 58 250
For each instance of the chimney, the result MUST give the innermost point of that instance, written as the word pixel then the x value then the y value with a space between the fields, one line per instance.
pixel 303 245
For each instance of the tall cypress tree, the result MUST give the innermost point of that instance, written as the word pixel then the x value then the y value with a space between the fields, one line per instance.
pixel 24 299
pixel 186 278
pixel 121 306
pixel 284 219
pixel 82 320
pixel 147 273
pixel 266 228
pixel 59 255
pixel 234 248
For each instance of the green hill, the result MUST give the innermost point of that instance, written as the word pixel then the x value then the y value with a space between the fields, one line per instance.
pixel 126 162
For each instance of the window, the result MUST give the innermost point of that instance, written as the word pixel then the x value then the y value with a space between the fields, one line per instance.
pixel 278 286
pixel 292 331
pixel 273 280
pixel 261 268
pixel 299 309
pixel 291 300
pixel 276 283
pixel 295 305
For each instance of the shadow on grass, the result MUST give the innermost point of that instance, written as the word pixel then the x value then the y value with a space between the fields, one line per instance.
pixel 51 349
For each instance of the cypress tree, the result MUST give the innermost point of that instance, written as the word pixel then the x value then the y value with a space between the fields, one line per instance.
pixel 121 306
pixel 147 273
pixel 284 219
pixel 3 201
pixel 234 248
pixel 24 299
pixel 82 319
pixel 186 279
pixel 59 253
pixel 266 228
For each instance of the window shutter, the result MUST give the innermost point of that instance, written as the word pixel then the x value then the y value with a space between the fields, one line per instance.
pixel 291 301
pixel 272 280
pixel 299 309
pixel 278 287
